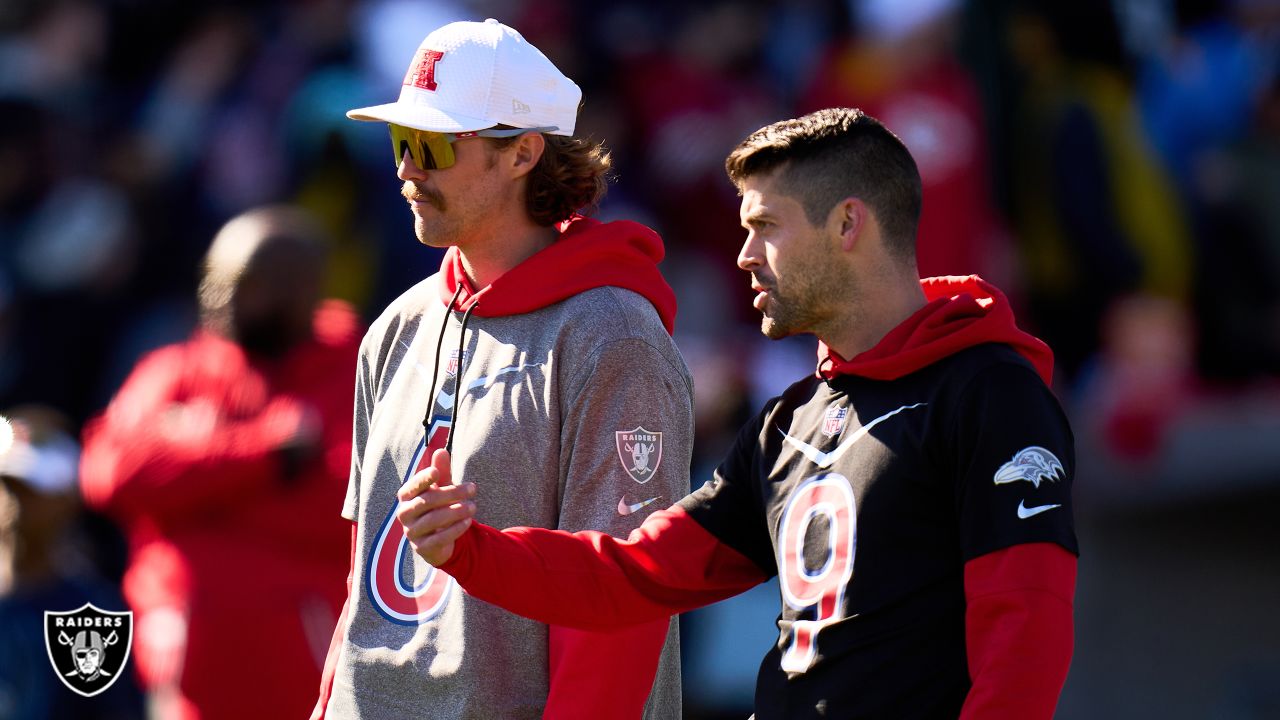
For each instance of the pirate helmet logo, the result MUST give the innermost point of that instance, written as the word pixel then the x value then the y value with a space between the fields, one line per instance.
pixel 88 647
pixel 640 452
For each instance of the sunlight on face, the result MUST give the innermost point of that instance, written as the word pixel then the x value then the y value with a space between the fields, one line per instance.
pixel 790 260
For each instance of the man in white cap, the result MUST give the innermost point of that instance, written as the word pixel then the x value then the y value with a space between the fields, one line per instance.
pixel 542 343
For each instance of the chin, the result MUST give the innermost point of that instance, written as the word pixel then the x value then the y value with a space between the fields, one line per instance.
pixel 773 330
pixel 432 239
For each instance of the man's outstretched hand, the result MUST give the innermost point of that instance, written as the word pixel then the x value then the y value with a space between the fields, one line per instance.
pixel 433 511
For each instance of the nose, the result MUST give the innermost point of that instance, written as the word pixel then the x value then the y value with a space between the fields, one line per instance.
pixel 750 256
pixel 408 169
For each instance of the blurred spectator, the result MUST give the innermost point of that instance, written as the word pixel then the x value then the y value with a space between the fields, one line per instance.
pixel 57 55
pixel 1096 217
pixel 1222 60
pixel 690 97
pixel 43 567
pixel 224 457
pixel 66 250
pixel 1217 61
pixel 1238 276
pixel 1144 376
pixel 901 66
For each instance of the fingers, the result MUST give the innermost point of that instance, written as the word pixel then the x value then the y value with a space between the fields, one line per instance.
pixel 440 474
pixel 437 547
pixel 431 523
pixel 431 499
pixel 433 511
pixel 443 465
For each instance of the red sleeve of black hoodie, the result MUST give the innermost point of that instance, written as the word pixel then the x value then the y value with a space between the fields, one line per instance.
pixel 1018 630
pixel 592 581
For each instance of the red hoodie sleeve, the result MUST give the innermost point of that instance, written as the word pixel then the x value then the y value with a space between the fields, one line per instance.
pixel 136 462
pixel 1018 629
pixel 592 581
pixel 578 658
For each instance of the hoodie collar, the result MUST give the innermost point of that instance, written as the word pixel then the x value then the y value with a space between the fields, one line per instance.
pixel 961 312
pixel 588 254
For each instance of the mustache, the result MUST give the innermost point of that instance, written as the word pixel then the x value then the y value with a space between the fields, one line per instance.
pixel 414 192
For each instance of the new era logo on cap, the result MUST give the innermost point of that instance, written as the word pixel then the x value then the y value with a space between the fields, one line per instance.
pixel 465 77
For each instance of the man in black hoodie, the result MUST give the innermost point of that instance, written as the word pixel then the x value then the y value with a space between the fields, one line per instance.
pixel 913 499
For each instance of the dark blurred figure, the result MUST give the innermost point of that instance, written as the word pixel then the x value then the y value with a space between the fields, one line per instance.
pixel 1223 61
pixel 688 99
pixel 66 252
pixel 44 567
pixel 224 457
pixel 1096 216
pixel 901 66
pixel 1238 298
pixel 1216 59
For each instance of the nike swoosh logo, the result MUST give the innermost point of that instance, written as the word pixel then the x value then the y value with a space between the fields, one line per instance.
pixel 825 460
pixel 625 509
pixel 488 380
pixel 417 365
pixel 1025 512
pixel 446 398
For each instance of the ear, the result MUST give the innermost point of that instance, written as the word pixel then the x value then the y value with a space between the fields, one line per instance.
pixel 847 220
pixel 526 152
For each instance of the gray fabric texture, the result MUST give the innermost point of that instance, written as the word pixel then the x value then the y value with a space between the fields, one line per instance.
pixel 544 397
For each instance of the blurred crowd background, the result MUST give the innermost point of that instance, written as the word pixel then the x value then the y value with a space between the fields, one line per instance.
pixel 1113 166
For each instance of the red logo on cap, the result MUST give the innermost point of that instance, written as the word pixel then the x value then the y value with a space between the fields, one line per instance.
pixel 422 71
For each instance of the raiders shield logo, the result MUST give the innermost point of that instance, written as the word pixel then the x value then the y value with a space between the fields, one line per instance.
pixel 640 451
pixel 88 647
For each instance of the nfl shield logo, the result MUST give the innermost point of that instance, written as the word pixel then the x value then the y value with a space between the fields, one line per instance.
pixel 88 647
pixel 833 421
pixel 451 367
pixel 640 451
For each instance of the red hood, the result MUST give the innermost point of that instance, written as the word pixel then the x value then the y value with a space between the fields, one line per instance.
pixel 588 254
pixel 961 312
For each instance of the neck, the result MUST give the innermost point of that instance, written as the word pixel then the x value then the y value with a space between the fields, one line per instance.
pixel 486 259
pixel 879 308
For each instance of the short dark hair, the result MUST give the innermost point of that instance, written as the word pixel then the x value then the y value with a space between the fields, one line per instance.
pixel 571 176
pixel 832 154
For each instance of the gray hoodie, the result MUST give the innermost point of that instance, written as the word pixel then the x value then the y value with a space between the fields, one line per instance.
pixel 575 412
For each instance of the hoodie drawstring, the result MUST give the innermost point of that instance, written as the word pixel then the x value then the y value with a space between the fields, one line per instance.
pixel 435 368
pixel 457 387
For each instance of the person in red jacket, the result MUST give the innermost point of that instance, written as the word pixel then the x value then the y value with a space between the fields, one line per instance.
pixel 913 499
pixel 222 457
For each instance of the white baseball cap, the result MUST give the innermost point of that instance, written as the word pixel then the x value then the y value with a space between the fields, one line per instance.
pixel 474 75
